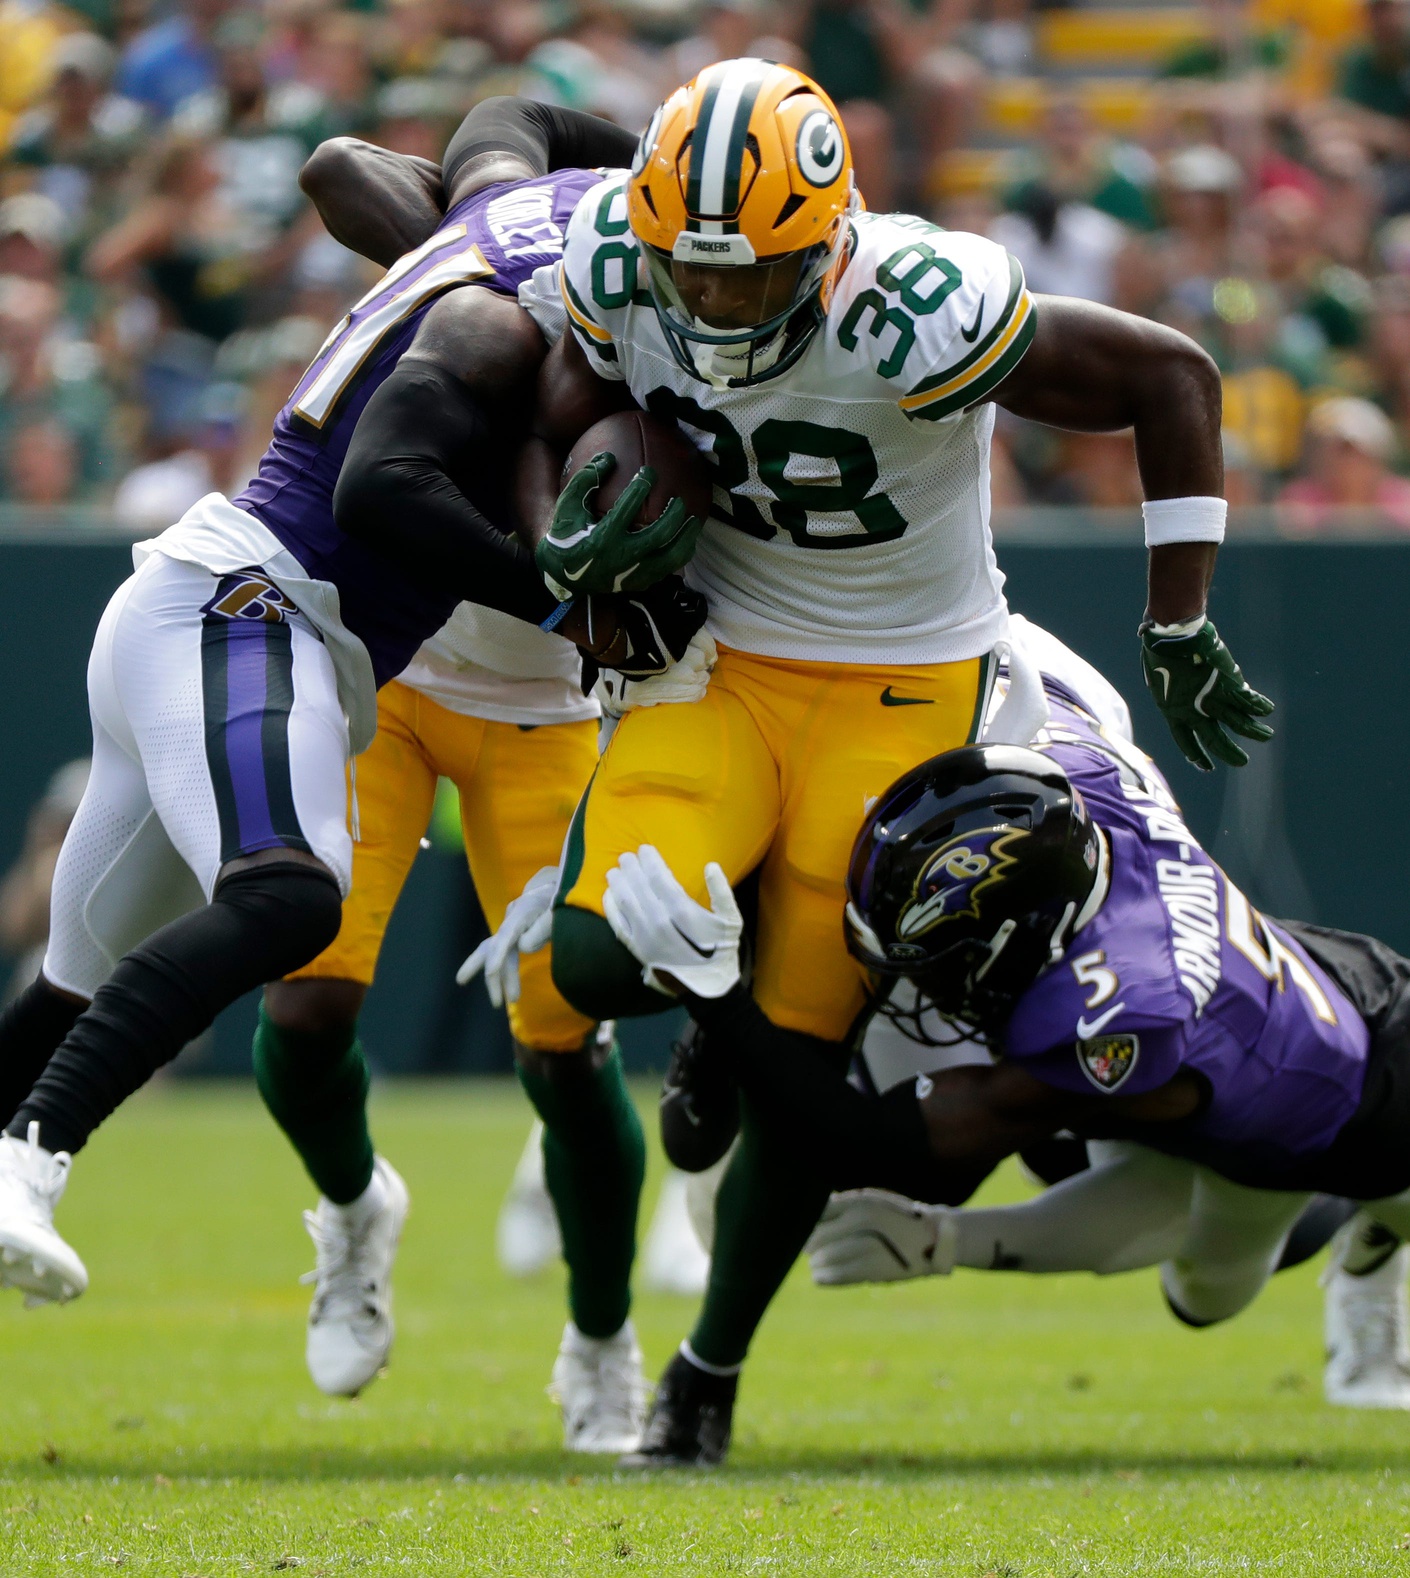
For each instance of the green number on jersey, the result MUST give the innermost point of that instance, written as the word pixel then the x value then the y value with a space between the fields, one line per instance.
pixel 604 222
pixel 613 266
pixel 874 302
pixel 605 293
pixel 907 270
pixel 775 444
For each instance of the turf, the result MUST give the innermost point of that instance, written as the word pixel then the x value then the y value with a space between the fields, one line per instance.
pixel 988 1425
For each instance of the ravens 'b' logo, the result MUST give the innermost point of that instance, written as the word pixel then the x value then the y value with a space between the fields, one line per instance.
pixel 250 595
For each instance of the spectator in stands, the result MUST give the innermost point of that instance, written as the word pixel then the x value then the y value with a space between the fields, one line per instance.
pixel 167 63
pixel 1388 342
pixel 336 67
pixel 1078 165
pixel 1201 190
pixel 1350 194
pixel 727 30
pixel 191 246
pixel 1374 74
pixel 1066 248
pixel 41 463
pixel 1268 367
pixel 153 495
pixel 862 53
pixel 31 238
pixel 78 140
pixel 1332 300
pixel 260 137
pixel 49 376
pixel 1351 446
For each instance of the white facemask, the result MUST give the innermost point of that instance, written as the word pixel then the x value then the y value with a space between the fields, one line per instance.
pixel 717 364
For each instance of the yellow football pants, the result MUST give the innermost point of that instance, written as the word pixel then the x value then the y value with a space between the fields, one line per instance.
pixel 775 767
pixel 518 788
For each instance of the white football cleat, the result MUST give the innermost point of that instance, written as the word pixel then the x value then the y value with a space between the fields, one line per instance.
pixel 33 1257
pixel 672 1260
pixel 599 1384
pixel 350 1326
pixel 526 1236
pixel 1367 1325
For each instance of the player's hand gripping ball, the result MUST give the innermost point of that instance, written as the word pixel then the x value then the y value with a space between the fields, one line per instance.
pixel 1203 692
pixel 647 526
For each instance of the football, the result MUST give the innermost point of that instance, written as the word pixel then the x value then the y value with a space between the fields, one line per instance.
pixel 639 439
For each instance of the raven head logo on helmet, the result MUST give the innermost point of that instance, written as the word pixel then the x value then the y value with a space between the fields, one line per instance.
pixel 739 196
pixel 952 879
pixel 970 876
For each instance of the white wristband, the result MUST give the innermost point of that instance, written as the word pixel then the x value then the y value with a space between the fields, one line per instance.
pixel 1184 520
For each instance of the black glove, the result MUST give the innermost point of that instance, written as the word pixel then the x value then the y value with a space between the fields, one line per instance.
pixel 655 625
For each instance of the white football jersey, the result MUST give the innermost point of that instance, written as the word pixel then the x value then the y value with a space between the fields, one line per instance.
pixel 851 515
pixel 488 665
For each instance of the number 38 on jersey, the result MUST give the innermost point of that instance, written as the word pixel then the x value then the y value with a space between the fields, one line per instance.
pixel 869 451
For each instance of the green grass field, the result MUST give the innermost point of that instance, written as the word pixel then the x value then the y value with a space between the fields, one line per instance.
pixel 986 1425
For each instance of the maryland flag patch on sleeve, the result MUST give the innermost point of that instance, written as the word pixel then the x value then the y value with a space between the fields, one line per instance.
pixel 1108 1060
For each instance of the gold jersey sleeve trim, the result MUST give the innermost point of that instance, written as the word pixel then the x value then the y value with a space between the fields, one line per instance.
pixel 578 313
pixel 986 366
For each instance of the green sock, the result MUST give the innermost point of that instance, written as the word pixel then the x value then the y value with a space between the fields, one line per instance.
pixel 767 1206
pixel 594 1156
pixel 316 1088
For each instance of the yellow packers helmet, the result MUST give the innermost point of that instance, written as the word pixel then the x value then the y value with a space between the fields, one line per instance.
pixel 739 196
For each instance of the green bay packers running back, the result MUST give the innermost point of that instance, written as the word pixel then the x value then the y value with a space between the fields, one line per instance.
pixel 838 368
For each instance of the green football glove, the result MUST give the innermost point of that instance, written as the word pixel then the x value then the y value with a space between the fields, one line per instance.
pixel 1202 692
pixel 584 553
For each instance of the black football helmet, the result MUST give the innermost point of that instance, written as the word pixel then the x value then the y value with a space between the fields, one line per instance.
pixel 966 880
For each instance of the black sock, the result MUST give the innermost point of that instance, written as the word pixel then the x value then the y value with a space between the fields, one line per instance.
pixel 798 1087
pixel 262 923
pixel 31 1029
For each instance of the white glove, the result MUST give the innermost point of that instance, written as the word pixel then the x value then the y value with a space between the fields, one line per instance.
pixel 870 1235
pixel 658 921
pixel 527 924
pixel 683 681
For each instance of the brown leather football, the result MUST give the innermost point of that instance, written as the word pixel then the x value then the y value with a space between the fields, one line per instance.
pixel 639 439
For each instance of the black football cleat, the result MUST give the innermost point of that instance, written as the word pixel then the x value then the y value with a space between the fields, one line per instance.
pixel 690 1420
pixel 699 1105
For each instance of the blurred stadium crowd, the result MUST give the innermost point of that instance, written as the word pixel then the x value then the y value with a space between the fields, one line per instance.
pixel 1239 169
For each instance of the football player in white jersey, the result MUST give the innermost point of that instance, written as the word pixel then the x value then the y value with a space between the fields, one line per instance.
pixel 839 370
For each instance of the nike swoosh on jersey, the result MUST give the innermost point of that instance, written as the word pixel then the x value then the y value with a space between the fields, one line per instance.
pixel 890 699
pixel 971 334
pixel 705 953
pixel 1087 1028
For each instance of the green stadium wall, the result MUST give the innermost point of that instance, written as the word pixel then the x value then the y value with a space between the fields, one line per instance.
pixel 1317 826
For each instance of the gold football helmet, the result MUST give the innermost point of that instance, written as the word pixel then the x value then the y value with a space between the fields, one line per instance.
pixel 739 196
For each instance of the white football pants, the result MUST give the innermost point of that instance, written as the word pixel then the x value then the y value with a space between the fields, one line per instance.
pixel 217 732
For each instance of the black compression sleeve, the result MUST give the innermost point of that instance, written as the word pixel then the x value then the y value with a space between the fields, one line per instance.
pixel 404 490
pixel 797 1083
pixel 544 135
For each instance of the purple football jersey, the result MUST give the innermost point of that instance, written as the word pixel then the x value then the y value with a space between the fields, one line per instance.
pixel 496 238
pixel 1178 971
